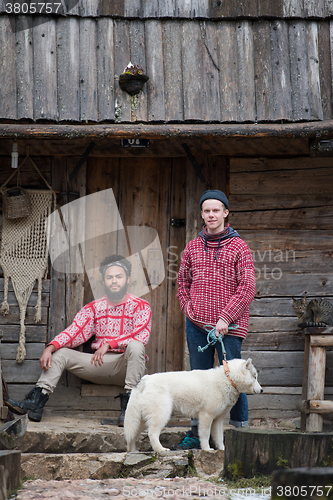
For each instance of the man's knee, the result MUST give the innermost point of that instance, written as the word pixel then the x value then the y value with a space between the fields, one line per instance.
pixel 135 348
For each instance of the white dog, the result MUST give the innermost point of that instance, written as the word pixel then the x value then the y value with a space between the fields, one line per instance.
pixel 204 394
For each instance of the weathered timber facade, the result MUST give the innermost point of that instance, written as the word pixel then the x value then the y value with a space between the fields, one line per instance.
pixel 247 86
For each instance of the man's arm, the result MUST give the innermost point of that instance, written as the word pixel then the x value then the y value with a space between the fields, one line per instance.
pixel 184 281
pixel 245 291
pixel 78 332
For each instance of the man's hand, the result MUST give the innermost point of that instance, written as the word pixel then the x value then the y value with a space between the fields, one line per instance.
pixel 45 360
pixel 97 357
pixel 221 327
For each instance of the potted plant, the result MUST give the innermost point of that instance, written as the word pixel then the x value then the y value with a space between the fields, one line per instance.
pixel 132 79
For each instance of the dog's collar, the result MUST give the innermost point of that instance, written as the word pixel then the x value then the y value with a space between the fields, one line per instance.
pixel 227 372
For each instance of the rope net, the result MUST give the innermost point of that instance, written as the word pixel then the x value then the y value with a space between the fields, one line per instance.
pixel 24 257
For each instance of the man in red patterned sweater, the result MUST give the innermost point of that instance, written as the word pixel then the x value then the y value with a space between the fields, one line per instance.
pixel 120 324
pixel 216 284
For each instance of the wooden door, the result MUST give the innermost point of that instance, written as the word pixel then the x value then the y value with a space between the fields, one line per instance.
pixel 149 192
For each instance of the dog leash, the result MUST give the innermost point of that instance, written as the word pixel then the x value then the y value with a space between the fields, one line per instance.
pixel 212 339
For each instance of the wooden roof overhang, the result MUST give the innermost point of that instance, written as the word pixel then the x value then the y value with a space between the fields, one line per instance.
pixel 167 139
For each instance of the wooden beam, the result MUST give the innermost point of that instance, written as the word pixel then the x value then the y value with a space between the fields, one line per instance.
pixel 315 406
pixel 321 341
pixel 209 131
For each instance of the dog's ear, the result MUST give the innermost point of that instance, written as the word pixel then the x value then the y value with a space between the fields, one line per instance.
pixel 248 363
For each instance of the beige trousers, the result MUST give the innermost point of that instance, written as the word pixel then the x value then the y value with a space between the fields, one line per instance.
pixel 125 369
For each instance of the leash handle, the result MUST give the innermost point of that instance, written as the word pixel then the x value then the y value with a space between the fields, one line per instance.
pixel 212 338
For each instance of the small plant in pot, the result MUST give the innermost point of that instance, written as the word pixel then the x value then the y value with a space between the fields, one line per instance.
pixel 132 79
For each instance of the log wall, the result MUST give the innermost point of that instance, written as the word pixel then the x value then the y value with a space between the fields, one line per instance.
pixel 283 209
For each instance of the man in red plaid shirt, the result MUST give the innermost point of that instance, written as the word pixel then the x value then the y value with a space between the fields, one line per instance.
pixel 216 284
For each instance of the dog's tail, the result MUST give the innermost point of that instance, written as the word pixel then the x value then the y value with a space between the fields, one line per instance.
pixel 133 423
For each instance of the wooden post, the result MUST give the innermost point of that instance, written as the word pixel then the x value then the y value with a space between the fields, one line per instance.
pixel 3 409
pixel 316 385
pixel 305 379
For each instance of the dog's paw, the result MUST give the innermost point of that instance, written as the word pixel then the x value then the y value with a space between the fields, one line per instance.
pixel 208 449
pixel 162 450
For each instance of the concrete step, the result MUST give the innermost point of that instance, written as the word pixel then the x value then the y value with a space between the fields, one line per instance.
pixel 72 466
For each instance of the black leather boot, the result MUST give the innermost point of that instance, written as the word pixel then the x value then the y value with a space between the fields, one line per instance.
pixel 33 404
pixel 124 397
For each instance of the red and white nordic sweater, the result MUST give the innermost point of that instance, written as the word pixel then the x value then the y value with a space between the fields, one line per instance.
pixel 210 289
pixel 116 324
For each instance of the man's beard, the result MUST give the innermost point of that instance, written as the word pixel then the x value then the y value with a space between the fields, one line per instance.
pixel 116 296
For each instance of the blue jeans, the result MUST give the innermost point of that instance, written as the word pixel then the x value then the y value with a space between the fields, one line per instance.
pixel 197 336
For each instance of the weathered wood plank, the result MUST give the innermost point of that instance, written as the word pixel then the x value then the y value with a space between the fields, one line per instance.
pixel 280 341
pixel 277 324
pixel 132 8
pixel 325 68
pixel 293 8
pixel 31 302
pixel 244 36
pixel 122 57
pixel 88 70
pixel 299 70
pixel 183 8
pixel 68 61
pixel 167 8
pixel 45 69
pixel 26 373
pixel 102 174
pixel 228 64
pixel 114 8
pixel 14 316
pixel 303 218
pixel 270 8
pixel 320 180
pixel 266 164
pixel 172 56
pixel 105 65
pixel 33 333
pixel 329 7
pixel 57 312
pixel 239 203
pixel 155 71
pixel 34 351
pixel 262 70
pixel 138 56
pixel 282 106
pixel 8 99
pixel 90 8
pixel 211 85
pixel 175 319
pixel 274 280
pixel 24 67
pixel 150 9
pixel 200 8
pixel 316 109
pixel 277 240
pixel 314 8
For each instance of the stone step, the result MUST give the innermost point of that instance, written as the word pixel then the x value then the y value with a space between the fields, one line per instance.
pixel 72 466
pixel 87 435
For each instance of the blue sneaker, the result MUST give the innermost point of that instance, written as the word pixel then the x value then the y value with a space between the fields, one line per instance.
pixel 189 442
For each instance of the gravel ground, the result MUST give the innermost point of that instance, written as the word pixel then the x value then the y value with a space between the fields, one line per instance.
pixel 129 488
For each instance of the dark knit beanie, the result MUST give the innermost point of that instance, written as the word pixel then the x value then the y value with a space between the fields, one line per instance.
pixel 214 194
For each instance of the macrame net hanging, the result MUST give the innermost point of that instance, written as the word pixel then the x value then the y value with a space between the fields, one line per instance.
pixel 24 254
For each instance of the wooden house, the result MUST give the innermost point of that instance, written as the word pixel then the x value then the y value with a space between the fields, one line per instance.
pixel 239 98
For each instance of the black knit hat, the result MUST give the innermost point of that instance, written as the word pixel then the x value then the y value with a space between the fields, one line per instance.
pixel 214 194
